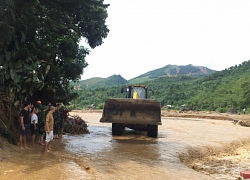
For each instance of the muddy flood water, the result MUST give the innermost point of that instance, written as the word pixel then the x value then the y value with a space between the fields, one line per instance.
pixel 99 155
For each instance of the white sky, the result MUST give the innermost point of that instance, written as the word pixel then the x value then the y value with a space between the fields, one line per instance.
pixel 150 34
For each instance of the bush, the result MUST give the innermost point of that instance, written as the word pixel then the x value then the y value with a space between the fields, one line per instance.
pixel 222 110
pixel 100 106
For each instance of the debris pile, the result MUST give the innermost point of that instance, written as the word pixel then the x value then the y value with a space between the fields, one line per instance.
pixel 75 125
pixel 245 123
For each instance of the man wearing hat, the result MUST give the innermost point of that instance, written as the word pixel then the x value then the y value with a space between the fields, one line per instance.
pixel 41 120
pixel 38 104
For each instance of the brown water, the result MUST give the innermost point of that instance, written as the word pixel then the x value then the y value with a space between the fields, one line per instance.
pixel 99 155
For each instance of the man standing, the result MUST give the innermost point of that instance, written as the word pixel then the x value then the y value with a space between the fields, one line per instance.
pixel 57 119
pixel 62 110
pixel 49 128
pixel 24 124
pixel 41 121
pixel 34 125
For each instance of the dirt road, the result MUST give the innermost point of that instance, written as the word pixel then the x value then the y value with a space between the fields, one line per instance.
pixel 184 144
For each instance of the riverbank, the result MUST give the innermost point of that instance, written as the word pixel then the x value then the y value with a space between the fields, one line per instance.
pixel 219 162
pixel 214 145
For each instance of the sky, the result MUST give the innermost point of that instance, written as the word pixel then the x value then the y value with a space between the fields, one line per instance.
pixel 149 34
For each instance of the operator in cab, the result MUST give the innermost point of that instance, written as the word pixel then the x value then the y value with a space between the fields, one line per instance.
pixel 135 95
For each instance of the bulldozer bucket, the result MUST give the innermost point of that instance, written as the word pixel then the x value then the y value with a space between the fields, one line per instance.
pixel 132 111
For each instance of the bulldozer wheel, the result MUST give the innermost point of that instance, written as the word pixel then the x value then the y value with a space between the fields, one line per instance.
pixel 152 131
pixel 117 129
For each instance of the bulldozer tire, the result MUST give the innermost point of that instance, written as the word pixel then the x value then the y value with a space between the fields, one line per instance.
pixel 152 131
pixel 117 129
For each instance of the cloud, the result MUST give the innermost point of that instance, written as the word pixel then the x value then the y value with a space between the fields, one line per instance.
pixel 145 35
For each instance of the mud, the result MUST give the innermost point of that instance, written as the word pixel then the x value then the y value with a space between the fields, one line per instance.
pixel 219 162
pixel 187 148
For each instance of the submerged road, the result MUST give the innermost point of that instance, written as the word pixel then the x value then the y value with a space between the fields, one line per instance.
pixel 99 155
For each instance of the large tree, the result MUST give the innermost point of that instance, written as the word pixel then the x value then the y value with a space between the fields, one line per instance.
pixel 39 45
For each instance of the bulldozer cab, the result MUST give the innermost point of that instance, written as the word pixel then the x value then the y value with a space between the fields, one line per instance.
pixel 135 91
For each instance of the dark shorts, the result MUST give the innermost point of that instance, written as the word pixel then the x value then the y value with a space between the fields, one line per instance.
pixel 26 131
pixel 32 129
pixel 61 124
pixel 41 130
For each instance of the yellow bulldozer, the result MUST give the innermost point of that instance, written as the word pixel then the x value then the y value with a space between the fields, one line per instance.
pixel 134 111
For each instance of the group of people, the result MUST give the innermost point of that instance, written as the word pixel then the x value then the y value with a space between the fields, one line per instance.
pixel 44 121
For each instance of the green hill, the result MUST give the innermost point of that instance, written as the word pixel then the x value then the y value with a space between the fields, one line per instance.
pixel 227 90
pixel 100 82
pixel 173 71
pixel 166 71
pixel 92 82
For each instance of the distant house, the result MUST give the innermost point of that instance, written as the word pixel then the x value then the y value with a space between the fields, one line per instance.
pixel 78 87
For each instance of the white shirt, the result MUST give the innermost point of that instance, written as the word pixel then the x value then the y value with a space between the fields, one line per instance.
pixel 34 118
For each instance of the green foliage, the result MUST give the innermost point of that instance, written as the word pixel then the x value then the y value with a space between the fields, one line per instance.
pixel 100 106
pixel 222 110
pixel 39 45
pixel 221 91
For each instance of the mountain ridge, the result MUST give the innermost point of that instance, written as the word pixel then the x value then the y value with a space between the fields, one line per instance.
pixel 166 71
